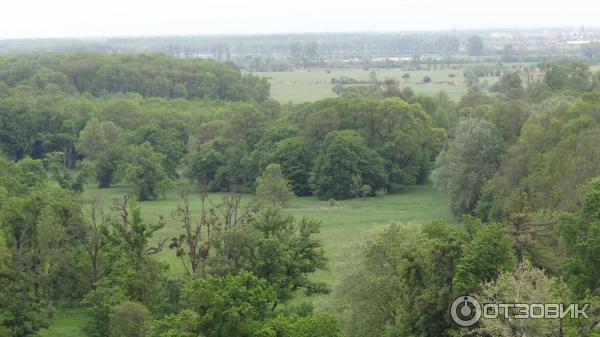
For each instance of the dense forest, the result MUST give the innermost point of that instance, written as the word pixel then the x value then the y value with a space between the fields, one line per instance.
pixel 521 167
pixel 147 75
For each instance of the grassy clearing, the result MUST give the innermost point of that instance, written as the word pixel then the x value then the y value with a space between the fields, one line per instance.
pixel 306 85
pixel 66 323
pixel 343 222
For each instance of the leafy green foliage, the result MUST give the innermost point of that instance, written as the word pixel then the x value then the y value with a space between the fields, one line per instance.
pixel 98 142
pixel 550 159
pixel 305 326
pixel 344 155
pixel 239 305
pixel 275 247
pixel 399 132
pixel 136 119
pixel 100 301
pixel 485 257
pixel 143 74
pixel 145 172
pixel 36 218
pixel 183 324
pixel 166 142
pixel 581 234
pixel 203 164
pixel 295 157
pixel 398 281
pixel 229 306
pixel 574 76
pixel 97 138
pixel 129 319
pixel 65 177
pixel 525 284
pixel 130 275
pixel 272 187
pixel 471 159
pixel 510 84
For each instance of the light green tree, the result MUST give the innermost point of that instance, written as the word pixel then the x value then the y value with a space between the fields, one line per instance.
pixel 397 281
pixel 475 46
pixel 97 138
pixel 145 172
pixel 98 142
pixel 272 187
pixel 276 247
pixel 469 162
pixel 129 319
pixel 484 258
pixel 530 285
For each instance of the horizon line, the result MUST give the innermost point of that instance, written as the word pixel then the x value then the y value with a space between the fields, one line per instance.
pixel 241 34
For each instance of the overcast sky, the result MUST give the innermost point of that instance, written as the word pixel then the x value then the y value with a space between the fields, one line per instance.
pixel 91 18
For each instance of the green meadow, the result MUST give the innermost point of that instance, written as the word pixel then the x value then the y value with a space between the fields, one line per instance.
pixel 342 223
pixel 311 84
pixel 306 85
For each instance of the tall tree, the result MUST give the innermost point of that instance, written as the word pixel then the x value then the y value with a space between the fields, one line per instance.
pixel 529 285
pixel 98 142
pixel 344 155
pixel 97 138
pixel 295 156
pixel 193 245
pixel 145 171
pixel 581 233
pixel 397 282
pixel 272 187
pixel 470 160
pixel 485 257
pixel 276 247
pixel 475 46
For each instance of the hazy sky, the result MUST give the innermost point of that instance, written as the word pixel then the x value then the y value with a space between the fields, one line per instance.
pixel 89 18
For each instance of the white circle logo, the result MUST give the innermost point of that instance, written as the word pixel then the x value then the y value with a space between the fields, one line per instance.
pixel 466 311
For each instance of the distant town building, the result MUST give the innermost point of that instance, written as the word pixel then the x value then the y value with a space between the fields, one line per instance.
pixel 572 44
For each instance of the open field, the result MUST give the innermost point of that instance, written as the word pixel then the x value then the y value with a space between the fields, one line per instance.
pixel 342 223
pixel 305 85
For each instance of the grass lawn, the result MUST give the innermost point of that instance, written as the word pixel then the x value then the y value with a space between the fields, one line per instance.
pixel 342 223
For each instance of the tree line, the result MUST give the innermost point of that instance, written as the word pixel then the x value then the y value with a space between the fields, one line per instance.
pixel 524 162
pixel 379 142
pixel 148 75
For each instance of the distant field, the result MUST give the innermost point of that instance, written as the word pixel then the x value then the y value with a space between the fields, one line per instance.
pixel 342 223
pixel 306 85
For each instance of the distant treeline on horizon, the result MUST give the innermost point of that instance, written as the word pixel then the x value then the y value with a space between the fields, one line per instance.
pixel 279 52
